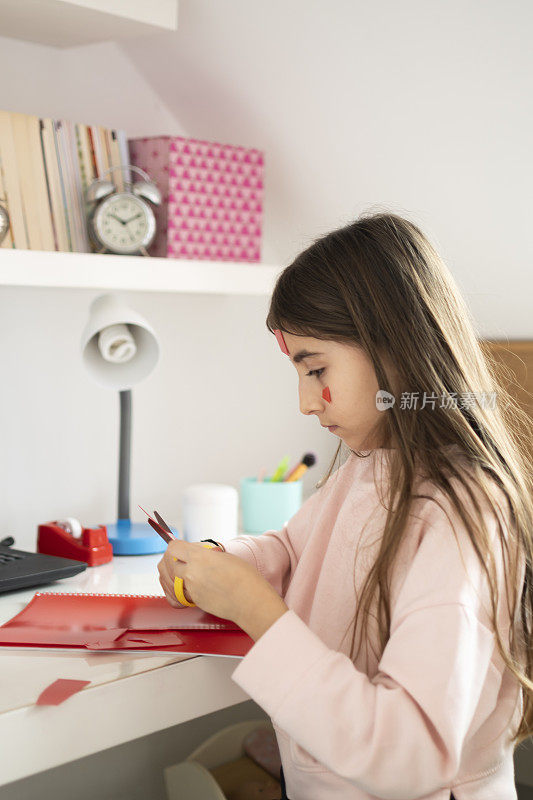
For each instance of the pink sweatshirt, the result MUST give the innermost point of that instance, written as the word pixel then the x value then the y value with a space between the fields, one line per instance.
pixel 433 714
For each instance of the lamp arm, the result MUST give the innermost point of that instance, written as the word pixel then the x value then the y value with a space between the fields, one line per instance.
pixel 124 455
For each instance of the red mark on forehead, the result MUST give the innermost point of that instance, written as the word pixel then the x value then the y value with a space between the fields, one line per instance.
pixel 281 342
pixel 326 394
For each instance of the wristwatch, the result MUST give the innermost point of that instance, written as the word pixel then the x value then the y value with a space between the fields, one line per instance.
pixel 217 544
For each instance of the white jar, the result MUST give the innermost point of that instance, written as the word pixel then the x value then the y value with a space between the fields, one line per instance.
pixel 210 511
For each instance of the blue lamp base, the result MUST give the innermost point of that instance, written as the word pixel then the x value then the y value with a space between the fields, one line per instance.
pixel 134 538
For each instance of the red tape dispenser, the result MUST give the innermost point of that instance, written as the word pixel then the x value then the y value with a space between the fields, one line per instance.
pixel 66 538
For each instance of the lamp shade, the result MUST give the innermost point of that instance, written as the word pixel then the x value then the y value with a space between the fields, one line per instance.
pixel 140 351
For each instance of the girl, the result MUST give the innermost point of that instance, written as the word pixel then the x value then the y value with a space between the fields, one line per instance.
pixel 420 544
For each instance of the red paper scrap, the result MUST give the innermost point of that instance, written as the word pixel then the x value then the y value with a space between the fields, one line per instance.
pixel 151 639
pixel 135 640
pixel 104 639
pixel 59 690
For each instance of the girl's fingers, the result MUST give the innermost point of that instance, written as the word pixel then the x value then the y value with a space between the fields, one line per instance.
pixel 168 570
pixel 170 595
pixel 167 585
pixel 164 572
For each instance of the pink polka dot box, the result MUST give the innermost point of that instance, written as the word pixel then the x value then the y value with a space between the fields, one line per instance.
pixel 212 197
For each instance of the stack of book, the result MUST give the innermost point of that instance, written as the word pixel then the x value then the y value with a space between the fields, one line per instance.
pixel 45 168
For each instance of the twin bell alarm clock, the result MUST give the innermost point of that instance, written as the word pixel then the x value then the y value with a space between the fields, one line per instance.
pixel 122 222
pixel 4 223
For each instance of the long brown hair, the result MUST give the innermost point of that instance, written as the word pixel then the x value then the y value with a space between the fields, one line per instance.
pixel 379 284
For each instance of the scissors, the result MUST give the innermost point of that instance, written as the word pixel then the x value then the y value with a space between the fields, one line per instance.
pixel 166 533
pixel 160 526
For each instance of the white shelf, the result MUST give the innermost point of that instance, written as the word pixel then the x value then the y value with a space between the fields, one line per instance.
pixel 39 268
pixel 68 23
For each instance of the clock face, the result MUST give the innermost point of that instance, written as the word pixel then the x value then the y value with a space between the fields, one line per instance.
pixel 4 223
pixel 123 223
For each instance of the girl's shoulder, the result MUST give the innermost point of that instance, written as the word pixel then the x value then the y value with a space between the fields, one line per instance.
pixel 461 544
pixel 471 493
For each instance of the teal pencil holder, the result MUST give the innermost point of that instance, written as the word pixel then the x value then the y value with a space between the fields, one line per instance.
pixel 268 505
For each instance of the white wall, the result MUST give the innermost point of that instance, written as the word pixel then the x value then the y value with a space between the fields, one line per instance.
pixel 420 107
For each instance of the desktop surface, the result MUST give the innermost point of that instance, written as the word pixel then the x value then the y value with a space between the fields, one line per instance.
pixel 136 683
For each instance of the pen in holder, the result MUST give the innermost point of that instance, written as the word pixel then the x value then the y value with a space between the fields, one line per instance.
pixel 268 505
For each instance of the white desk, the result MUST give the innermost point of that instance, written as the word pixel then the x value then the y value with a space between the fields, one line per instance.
pixel 130 695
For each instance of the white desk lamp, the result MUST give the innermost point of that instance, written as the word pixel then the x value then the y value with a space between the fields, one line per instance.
pixel 119 349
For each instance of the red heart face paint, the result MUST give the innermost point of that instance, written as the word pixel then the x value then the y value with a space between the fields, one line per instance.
pixel 326 394
pixel 281 342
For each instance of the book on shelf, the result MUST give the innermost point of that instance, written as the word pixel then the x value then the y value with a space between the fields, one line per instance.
pixel 46 166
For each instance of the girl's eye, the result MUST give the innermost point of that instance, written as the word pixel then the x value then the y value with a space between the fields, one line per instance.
pixel 317 372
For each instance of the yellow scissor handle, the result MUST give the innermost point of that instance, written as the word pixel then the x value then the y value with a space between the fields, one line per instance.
pixel 178 584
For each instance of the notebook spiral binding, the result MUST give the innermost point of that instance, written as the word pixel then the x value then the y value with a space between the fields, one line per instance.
pixel 198 626
pixel 101 594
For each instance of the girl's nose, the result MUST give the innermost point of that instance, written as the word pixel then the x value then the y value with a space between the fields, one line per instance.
pixel 310 401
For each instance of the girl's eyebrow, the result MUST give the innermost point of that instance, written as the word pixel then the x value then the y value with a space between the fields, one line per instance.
pixel 304 354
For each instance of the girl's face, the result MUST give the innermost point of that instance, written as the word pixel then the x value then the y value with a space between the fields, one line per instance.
pixel 348 373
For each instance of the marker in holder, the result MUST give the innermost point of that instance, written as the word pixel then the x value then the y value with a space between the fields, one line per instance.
pixel 268 505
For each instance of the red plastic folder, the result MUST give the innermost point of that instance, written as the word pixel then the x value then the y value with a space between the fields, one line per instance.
pixel 111 622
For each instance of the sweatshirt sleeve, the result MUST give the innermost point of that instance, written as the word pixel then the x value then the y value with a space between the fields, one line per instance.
pixel 275 554
pixel 401 733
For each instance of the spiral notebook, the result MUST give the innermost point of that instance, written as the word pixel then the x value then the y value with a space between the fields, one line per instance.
pixel 111 622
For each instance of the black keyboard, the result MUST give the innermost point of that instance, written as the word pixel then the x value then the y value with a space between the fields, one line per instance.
pixel 19 569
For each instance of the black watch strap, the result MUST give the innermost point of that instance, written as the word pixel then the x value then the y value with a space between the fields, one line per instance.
pixel 217 544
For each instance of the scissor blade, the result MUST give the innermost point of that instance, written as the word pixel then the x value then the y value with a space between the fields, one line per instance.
pixel 161 531
pixel 162 522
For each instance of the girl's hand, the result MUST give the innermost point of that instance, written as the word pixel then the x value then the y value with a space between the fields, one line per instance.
pixel 219 583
